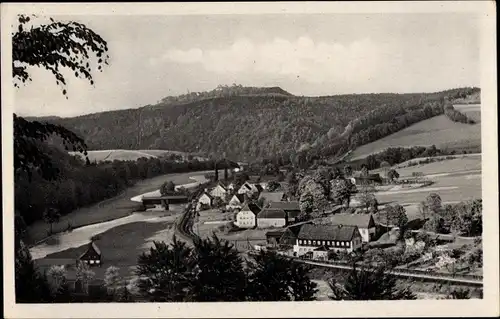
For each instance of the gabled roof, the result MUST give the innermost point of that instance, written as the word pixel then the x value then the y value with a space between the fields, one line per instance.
pixel 207 194
pixel 327 232
pixel 271 213
pixel 360 220
pixel 254 208
pixel 285 205
pixel 240 197
pixel 272 196
pixel 91 246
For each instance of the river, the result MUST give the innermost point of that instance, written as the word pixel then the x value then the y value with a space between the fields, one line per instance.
pixel 81 235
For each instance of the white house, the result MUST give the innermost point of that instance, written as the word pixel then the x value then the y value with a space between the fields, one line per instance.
pixel 236 202
pixel 205 199
pixel 246 217
pixel 219 191
pixel 323 238
pixel 364 223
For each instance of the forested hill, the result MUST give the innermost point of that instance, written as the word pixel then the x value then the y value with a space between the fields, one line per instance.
pixel 250 123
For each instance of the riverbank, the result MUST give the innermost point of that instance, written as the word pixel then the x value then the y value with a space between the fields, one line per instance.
pixel 117 207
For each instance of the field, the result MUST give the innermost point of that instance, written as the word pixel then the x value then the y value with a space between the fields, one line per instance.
pixel 109 209
pixel 439 130
pixel 127 155
pixel 212 221
pixel 120 246
pixel 454 180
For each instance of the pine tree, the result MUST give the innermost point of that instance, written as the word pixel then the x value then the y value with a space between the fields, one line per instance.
pixel 218 272
pixel 369 284
pixel 276 278
pixel 31 286
pixel 165 272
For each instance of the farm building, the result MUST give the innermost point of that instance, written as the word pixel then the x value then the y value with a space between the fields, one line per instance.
pixel 273 237
pixel 269 197
pixel 204 200
pixel 236 202
pixel 246 217
pixel 219 191
pixel 292 209
pixel 371 179
pixel 161 203
pixel 333 237
pixel 271 218
pixel 364 222
pixel 92 256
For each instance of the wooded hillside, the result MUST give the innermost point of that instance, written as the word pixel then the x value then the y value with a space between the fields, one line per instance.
pixel 250 124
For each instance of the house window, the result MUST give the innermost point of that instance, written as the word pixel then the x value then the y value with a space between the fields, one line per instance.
pixel 348 244
pixel 97 261
pixel 314 242
pixel 91 262
pixel 324 243
pixel 308 242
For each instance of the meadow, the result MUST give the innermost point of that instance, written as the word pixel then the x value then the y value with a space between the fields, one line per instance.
pixel 129 155
pixel 439 131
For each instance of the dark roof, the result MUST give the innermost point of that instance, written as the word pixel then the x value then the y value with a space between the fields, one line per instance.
pixel 272 196
pixel 271 213
pixel 241 197
pixel 327 232
pixel 275 233
pixel 360 220
pixel 259 187
pixel 285 205
pixel 295 230
pixel 254 208
pixel 91 246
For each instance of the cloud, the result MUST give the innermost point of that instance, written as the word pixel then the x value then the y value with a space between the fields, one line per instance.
pixel 302 58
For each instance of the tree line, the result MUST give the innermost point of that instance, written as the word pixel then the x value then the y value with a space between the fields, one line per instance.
pixel 79 184
pixel 456 116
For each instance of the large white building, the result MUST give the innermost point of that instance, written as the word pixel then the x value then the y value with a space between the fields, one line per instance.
pixel 364 222
pixel 324 238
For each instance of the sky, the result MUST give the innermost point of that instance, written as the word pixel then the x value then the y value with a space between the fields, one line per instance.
pixel 152 57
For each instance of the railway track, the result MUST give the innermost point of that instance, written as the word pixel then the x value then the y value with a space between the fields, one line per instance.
pixel 465 280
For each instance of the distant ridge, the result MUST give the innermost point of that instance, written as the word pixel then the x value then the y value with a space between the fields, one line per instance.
pixel 249 123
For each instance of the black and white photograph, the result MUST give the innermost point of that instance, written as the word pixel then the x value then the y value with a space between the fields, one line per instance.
pixel 219 155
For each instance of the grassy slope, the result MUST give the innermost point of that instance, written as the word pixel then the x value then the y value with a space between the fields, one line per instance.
pixel 120 246
pixel 439 130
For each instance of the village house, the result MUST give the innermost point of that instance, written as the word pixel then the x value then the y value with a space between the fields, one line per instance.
pixel 219 191
pixel 268 197
pixel 364 222
pixel 236 202
pixel 92 256
pixel 283 237
pixel 204 200
pixel 331 237
pixel 271 218
pixel 249 189
pixel 246 217
pixel 292 209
